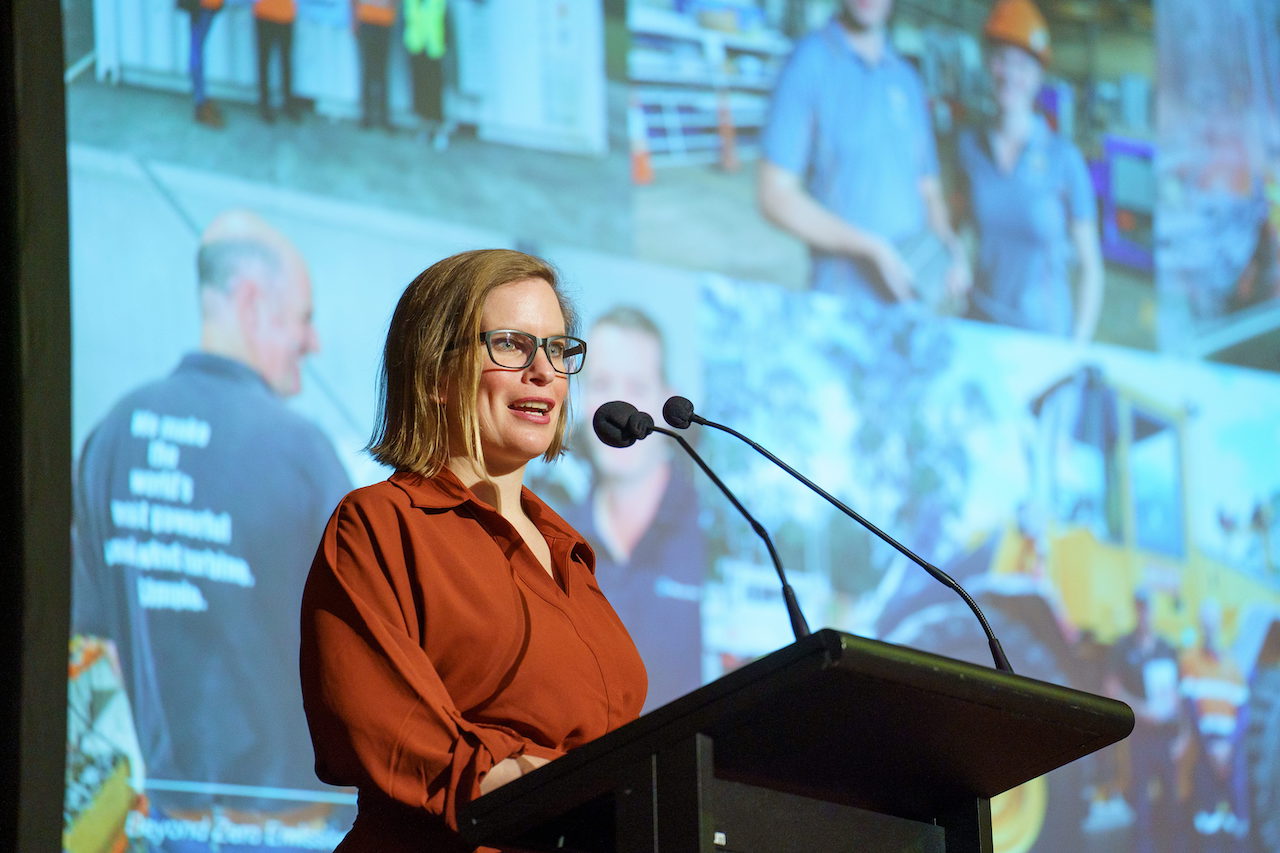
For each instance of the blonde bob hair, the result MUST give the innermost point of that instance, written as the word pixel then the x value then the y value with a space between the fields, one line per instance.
pixel 431 352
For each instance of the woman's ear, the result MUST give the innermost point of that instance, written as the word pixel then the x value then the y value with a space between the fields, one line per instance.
pixel 443 392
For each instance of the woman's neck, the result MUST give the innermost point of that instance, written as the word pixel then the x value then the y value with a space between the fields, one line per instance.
pixel 1009 138
pixel 499 489
pixel 1015 125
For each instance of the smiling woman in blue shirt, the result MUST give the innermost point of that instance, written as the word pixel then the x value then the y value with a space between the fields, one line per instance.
pixel 1039 264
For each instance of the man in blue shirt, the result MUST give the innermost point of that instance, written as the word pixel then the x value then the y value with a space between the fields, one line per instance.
pixel 849 162
pixel 641 516
pixel 199 501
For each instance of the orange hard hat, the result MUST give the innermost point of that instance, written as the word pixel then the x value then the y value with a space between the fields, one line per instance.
pixel 1019 23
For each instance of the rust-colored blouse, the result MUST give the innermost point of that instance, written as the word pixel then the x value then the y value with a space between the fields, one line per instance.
pixel 434 645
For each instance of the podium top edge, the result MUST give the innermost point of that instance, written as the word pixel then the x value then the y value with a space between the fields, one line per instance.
pixel 830 656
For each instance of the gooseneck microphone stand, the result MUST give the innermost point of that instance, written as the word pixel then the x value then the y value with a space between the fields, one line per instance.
pixel 620 424
pixel 679 413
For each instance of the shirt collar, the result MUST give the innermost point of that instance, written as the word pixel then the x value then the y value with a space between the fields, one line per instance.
pixel 1039 133
pixel 445 491
pixel 1037 137
pixel 219 365
pixel 834 32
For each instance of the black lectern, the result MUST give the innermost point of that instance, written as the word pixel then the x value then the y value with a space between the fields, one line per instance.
pixel 834 743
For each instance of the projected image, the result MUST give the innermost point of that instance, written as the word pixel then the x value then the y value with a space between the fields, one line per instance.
pixel 996 164
pixel 201 494
pixel 1041 415
pixel 1219 178
pixel 236 257
pixel 181 570
pixel 462 110
pixel 190 557
pixel 1095 513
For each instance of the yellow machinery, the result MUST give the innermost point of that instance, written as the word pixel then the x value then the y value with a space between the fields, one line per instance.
pixel 1108 514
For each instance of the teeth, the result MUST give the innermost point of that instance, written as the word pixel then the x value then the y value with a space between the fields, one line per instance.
pixel 541 408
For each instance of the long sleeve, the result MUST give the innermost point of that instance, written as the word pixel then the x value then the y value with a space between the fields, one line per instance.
pixel 380 709
pixel 434 647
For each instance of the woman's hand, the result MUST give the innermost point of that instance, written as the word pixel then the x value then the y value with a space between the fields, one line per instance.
pixel 509 769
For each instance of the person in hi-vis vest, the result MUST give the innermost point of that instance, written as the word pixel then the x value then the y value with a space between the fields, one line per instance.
pixel 273 22
pixel 426 40
pixel 372 21
pixel 201 13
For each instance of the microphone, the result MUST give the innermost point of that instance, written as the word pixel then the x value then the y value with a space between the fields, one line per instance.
pixel 620 424
pixel 679 413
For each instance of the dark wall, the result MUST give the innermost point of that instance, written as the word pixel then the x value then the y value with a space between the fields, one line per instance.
pixel 34 426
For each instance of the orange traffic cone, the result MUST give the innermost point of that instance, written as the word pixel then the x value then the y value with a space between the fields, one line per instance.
pixel 638 133
pixel 728 134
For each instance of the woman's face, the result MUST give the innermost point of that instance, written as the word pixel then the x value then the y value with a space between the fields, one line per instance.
pixel 1015 76
pixel 868 14
pixel 517 410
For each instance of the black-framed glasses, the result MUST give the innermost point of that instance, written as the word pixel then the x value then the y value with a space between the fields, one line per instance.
pixel 516 350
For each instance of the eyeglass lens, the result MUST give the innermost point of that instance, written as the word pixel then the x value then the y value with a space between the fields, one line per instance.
pixel 517 350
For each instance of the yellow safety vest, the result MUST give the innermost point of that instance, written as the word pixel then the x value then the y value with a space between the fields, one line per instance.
pixel 424 27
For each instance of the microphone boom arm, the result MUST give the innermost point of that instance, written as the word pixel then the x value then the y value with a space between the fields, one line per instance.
pixel 798 624
pixel 997 652
pixel 620 424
